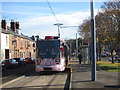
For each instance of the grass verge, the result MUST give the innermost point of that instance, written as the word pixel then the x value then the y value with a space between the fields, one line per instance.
pixel 108 66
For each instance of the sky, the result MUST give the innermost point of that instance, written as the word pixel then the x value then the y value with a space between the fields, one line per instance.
pixel 36 18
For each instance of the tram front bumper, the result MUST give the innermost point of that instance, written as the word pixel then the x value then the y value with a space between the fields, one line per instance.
pixel 50 68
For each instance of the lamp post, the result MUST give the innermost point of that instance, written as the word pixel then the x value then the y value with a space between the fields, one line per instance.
pixel 76 46
pixel 58 24
pixel 0 40
pixel 93 42
pixel 0 37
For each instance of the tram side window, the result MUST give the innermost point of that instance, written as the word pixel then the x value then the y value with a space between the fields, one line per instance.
pixel 62 50
pixel 62 53
pixel 65 52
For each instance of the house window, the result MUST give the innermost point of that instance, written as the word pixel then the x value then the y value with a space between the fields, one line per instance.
pixel 6 41
pixel 33 44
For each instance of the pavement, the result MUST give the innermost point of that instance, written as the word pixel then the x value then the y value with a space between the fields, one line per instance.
pixel 81 77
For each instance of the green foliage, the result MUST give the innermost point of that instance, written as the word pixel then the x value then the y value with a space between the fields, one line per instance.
pixel 109 67
pixel 114 70
pixel 107 27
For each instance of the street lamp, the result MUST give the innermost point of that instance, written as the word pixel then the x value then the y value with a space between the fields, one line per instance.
pixel 58 24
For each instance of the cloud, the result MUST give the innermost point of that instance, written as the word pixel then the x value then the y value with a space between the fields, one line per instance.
pixel 44 25
pixel 74 18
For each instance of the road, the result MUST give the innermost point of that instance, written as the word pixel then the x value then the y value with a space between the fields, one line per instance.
pixel 24 78
pixel 10 74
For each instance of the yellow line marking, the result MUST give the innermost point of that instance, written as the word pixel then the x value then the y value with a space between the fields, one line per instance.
pixel 71 69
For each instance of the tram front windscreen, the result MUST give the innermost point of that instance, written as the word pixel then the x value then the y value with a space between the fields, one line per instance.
pixel 49 49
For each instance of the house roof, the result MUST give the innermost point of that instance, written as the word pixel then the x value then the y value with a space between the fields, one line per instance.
pixel 9 31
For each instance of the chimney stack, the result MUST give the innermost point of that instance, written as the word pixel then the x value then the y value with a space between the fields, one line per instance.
pixel 17 28
pixel 13 26
pixel 4 24
pixel 17 25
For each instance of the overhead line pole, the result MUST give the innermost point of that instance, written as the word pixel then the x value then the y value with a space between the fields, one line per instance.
pixel 93 42
pixel 0 55
pixel 76 46
pixel 0 39
pixel 58 24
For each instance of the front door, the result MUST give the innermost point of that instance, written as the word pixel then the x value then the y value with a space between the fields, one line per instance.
pixel 6 53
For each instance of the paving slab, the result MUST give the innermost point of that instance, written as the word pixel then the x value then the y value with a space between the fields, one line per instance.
pixel 81 78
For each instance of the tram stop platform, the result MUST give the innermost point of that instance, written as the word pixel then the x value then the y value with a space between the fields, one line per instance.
pixel 81 78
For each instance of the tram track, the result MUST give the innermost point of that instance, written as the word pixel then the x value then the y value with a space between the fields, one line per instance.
pixel 42 81
pixel 49 83
pixel 56 81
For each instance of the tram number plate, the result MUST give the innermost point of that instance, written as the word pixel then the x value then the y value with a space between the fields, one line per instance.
pixel 47 69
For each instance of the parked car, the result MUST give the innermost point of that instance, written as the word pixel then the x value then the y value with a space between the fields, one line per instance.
pixel 30 60
pixel 103 54
pixel 2 65
pixel 115 58
pixel 10 63
pixel 21 61
pixel 108 54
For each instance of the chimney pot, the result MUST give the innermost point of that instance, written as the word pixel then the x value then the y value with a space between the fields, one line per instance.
pixel 4 24
pixel 17 25
pixel 13 26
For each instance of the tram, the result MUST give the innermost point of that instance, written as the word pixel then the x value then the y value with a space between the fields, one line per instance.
pixel 52 54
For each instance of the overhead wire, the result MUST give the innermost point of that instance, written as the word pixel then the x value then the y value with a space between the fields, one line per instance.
pixel 66 28
pixel 56 16
pixel 52 10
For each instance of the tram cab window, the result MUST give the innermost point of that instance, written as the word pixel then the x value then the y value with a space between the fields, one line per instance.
pixel 49 49
pixel 62 54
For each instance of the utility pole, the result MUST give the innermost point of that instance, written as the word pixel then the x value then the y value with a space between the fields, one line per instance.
pixel 70 48
pixel 58 24
pixel 0 55
pixel 93 42
pixel 0 33
pixel 76 46
pixel 0 40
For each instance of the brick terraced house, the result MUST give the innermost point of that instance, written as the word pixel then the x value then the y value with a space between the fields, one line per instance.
pixel 14 44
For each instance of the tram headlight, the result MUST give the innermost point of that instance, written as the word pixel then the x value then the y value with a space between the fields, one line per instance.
pixel 38 61
pixel 57 60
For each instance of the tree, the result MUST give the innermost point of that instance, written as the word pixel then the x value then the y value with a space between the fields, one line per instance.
pixel 84 30
pixel 107 27
pixel 111 25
